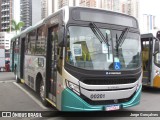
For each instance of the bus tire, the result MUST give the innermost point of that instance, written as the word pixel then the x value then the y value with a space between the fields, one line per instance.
pixel 42 94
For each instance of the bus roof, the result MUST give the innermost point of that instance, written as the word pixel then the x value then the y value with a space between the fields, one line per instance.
pixel 148 35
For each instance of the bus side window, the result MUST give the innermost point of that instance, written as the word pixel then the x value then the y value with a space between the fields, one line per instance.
pixel 40 48
pixel 157 52
pixel 31 42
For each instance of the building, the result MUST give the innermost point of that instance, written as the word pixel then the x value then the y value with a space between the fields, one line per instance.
pixel 148 24
pixel 62 3
pixel 87 3
pixel 30 12
pixel 26 12
pixel 57 4
pixel 0 15
pixel 112 5
pixel 6 14
pixel 130 7
pixel 44 8
pixel 5 39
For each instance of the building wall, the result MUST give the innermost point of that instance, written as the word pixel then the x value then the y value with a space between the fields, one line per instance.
pixel 26 12
pixel 0 15
pixel 5 39
pixel 44 8
pixel 30 12
pixel 6 14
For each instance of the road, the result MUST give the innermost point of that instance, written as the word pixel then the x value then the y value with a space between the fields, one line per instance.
pixel 18 97
pixel 4 76
pixel 15 98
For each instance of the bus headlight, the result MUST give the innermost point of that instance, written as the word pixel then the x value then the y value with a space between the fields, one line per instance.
pixel 138 85
pixel 73 87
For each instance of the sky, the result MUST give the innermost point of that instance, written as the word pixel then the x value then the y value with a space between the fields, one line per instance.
pixel 17 10
pixel 150 7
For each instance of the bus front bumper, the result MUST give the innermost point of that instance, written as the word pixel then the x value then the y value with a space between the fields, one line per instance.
pixel 72 102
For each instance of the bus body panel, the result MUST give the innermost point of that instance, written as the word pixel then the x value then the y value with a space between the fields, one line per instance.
pixel 155 77
pixel 72 102
pixel 33 66
pixel 60 88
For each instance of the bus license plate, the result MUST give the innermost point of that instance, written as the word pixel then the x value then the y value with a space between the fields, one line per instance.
pixel 112 107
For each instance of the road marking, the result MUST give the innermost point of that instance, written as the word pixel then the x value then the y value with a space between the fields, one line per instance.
pixel 32 97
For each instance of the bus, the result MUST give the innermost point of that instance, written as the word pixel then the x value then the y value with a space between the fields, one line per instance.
pixel 151 60
pixel 82 59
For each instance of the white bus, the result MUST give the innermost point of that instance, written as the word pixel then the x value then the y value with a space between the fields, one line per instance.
pixel 151 60
pixel 82 59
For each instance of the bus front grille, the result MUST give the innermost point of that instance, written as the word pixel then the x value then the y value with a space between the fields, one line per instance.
pixel 109 81
pixel 107 102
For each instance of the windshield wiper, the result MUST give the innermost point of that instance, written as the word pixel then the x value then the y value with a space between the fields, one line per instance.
pixel 98 33
pixel 122 37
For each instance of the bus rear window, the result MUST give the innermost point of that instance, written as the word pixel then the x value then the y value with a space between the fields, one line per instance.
pixel 104 17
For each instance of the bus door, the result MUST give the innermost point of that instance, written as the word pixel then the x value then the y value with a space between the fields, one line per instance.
pixel 147 50
pixel 155 76
pixel 22 58
pixel 13 49
pixel 52 61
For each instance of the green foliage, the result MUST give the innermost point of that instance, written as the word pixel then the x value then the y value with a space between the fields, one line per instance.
pixel 16 26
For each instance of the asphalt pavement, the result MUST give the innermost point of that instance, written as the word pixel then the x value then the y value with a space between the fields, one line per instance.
pixel 6 76
pixel 16 97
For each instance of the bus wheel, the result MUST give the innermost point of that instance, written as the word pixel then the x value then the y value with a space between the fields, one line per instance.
pixel 42 94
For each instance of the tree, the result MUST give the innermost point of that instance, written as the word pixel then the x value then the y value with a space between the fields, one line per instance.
pixel 16 26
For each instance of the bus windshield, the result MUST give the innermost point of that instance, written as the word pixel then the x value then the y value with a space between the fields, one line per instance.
pixel 86 51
